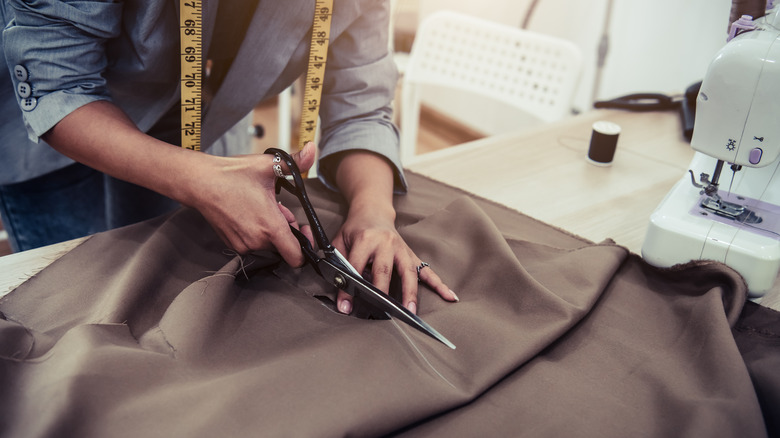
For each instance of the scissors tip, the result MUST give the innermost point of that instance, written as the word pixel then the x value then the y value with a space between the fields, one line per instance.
pixel 436 335
pixel 421 325
pixel 447 342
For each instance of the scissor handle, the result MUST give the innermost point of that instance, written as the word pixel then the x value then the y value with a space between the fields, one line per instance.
pixel 299 190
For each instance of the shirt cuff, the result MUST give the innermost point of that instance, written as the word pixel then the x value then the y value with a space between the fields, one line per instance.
pixel 385 145
pixel 51 108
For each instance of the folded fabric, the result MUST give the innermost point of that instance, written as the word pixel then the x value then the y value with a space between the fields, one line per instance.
pixel 156 330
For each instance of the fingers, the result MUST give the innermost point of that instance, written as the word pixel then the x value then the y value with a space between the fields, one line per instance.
pixel 306 230
pixel 384 259
pixel 343 299
pixel 360 254
pixel 251 219
pixel 430 278
pixel 304 158
pixel 381 258
pixel 344 302
pixel 285 242
pixel 293 222
pixel 288 215
pixel 409 288
pixel 410 281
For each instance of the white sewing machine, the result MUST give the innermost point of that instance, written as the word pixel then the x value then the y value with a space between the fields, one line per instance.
pixel 732 217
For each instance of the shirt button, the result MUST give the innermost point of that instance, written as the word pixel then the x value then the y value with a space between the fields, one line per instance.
pixel 29 103
pixel 23 89
pixel 20 73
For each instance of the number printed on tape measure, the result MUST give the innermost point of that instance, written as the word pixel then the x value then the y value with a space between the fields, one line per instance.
pixel 191 30
pixel 315 71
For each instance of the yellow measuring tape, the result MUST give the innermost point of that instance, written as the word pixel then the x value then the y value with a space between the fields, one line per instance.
pixel 315 72
pixel 191 30
pixel 191 25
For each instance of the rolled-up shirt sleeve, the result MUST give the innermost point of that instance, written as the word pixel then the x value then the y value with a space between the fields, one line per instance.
pixel 56 49
pixel 360 81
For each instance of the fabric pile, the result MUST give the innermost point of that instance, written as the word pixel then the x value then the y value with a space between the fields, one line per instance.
pixel 156 330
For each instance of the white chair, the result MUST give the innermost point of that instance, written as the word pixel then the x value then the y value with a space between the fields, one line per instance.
pixel 535 73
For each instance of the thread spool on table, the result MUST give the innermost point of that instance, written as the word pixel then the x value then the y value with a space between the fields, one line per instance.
pixel 603 142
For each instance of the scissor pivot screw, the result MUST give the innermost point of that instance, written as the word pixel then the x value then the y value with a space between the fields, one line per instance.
pixel 339 281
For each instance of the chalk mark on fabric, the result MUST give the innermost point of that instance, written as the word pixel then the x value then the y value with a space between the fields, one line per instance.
pixel 425 359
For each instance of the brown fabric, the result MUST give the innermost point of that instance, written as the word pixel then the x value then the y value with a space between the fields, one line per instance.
pixel 758 337
pixel 154 330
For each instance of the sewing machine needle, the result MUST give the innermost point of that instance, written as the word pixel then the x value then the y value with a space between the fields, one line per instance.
pixel 733 173
pixel 734 169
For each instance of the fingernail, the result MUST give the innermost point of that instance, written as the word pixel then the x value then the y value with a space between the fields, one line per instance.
pixel 345 307
pixel 412 307
pixel 455 296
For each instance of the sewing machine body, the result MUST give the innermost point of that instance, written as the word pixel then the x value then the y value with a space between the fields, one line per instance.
pixel 738 123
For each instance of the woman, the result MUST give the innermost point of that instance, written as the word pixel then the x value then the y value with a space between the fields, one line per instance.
pixel 98 83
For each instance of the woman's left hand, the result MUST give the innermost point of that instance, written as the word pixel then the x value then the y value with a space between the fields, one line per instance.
pixel 371 244
pixel 368 238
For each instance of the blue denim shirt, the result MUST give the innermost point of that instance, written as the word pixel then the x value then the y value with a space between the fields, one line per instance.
pixel 77 52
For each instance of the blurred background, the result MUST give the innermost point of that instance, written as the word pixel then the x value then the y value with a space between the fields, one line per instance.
pixel 628 46
pixel 646 46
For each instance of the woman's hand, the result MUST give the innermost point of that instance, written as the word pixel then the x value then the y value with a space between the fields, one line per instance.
pixel 237 198
pixel 371 243
pixel 235 194
pixel 368 238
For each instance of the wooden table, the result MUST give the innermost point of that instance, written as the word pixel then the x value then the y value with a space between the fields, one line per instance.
pixel 15 269
pixel 545 173
pixel 541 172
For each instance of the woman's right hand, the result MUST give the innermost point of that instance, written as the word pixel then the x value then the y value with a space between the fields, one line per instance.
pixel 236 196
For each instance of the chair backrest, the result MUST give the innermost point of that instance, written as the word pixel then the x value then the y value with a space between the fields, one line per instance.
pixel 533 72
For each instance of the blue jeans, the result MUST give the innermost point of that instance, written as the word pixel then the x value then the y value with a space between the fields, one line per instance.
pixel 73 202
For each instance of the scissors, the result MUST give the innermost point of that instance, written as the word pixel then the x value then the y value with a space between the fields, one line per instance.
pixel 333 266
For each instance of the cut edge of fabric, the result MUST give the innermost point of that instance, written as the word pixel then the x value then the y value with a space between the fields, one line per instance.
pixel 42 264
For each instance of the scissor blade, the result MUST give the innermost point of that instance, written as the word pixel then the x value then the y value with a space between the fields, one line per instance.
pixel 421 325
pixel 357 286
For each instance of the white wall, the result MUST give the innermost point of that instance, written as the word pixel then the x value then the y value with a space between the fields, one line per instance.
pixel 654 46
pixel 663 45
